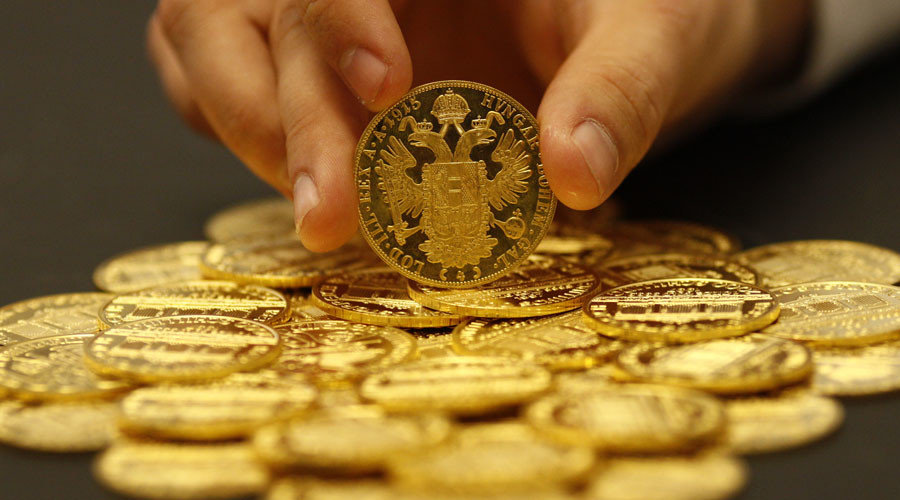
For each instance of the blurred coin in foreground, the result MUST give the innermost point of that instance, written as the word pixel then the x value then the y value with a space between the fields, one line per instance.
pixel 263 218
pixel 51 315
pixel 310 488
pixel 433 342
pixel 150 266
pixel 857 371
pixel 69 427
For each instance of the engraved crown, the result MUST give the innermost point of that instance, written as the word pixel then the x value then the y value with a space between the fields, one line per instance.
pixel 479 123
pixel 450 107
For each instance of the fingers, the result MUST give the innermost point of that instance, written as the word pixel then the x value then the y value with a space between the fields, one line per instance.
pixel 322 122
pixel 361 41
pixel 227 65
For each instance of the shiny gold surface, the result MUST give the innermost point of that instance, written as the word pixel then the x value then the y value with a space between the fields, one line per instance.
pixel 587 249
pixel 433 342
pixel 625 270
pixel 767 424
pixel 150 266
pixel 50 315
pixel 680 310
pixel 857 371
pixel 70 427
pixel 263 218
pixel 451 188
pixel 302 309
pixel 659 236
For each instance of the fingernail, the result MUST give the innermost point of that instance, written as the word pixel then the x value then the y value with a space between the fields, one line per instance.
pixel 363 72
pixel 599 152
pixel 306 196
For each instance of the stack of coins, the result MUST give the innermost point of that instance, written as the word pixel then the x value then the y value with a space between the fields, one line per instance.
pixel 474 349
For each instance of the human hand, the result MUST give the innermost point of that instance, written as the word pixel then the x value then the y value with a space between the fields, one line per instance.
pixel 288 85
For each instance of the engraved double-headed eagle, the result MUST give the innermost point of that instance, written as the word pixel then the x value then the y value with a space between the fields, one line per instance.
pixel 455 202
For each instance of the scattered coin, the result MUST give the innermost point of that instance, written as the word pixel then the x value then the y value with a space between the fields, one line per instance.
pixel 70 427
pixel 658 236
pixel 150 266
pixel 857 371
pixel 473 213
pixel 588 249
pixel 264 218
pixel 571 222
pixel 680 310
pixel 309 488
pixel 302 309
pixel 50 315
pixel 625 270
pixel 433 342
pixel 587 380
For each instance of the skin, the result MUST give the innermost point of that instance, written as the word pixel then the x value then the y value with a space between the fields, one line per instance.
pixel 289 85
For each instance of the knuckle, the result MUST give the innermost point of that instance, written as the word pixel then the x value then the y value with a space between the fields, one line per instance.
pixel 173 13
pixel 681 21
pixel 317 12
pixel 288 19
pixel 641 94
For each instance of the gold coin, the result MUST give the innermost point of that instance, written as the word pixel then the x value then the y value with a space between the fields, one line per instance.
pixel 837 313
pixel 857 371
pixel 433 342
pixel 208 298
pixel 349 440
pixel 181 348
pixel 468 216
pixel 540 286
pixel 742 365
pixel 263 218
pixel 767 424
pixel 50 315
pixel 495 457
pixel 150 266
pixel 309 488
pixel 659 236
pixel 337 351
pixel 631 418
pixel 557 342
pixel 625 270
pixel 707 476
pixel 587 380
pixel 52 368
pixel 302 309
pixel 793 262
pixel 71 427
pixel 181 471
pixel 376 297
pixel 461 385
pixel 680 310
pixel 278 262
pixel 591 247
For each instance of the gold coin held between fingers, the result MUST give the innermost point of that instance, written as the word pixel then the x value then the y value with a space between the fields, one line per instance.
pixel 680 310
pixel 837 313
pixel 208 298
pixel 660 236
pixel 70 427
pixel 150 266
pixel 181 348
pixel 631 418
pixel 50 315
pixel 742 365
pixel 451 188
pixel 263 218
pixel 625 270
pixel 857 371
pixel 542 285
pixel 377 297
pixel 794 262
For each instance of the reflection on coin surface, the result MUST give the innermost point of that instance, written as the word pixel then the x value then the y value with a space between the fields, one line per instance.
pixel 625 270
pixel 767 424
pixel 377 297
pixel 181 348
pixel 680 310
pixel 706 476
pixel 310 488
pixel 433 342
pixel 336 351
pixel 50 315
pixel 631 418
pixel 278 262
pixel 561 341
pixel 302 309
pixel 498 457
pixel 857 371
pixel 658 236
pixel 52 368
pixel 151 266
pixel 793 262
pixel 70 427
pixel 541 285
pixel 837 313
pixel 355 439
pixel 181 471
pixel 262 218
pixel 211 298
pixel 748 364
pixel 587 249
pixel 451 188
pixel 462 385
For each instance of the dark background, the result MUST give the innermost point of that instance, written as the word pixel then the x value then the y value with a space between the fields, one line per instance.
pixel 93 162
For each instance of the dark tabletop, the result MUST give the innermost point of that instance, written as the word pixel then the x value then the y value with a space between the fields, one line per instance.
pixel 93 162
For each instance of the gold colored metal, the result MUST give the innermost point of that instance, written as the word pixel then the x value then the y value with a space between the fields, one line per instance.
pixel 433 342
pixel 496 457
pixel 376 297
pixel 557 342
pixel 451 188
pixel 150 266
pixel 659 236
pixel 181 348
pixel 71 427
pixel 349 440
pixel 52 368
pixel 587 380
pixel 767 424
pixel 207 298
pixel 794 262
pixel 626 270
pixel 631 418
pixel 257 219
pixel 857 371
pixel 50 315
pixel 461 385
pixel 680 310
pixel 302 309
pixel 169 471
pixel 278 262
pixel 540 286
pixel 748 364
pixel 311 488
pixel 587 249
pixel 705 476
pixel 837 313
